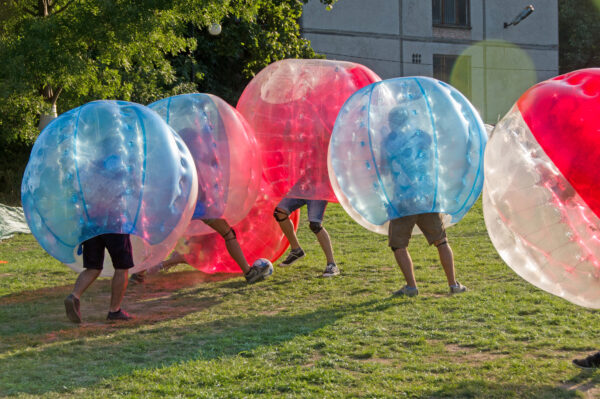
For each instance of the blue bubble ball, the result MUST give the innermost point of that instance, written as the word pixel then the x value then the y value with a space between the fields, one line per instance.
pixel 406 146
pixel 109 167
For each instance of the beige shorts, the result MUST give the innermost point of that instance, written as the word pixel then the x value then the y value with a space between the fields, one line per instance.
pixel 400 229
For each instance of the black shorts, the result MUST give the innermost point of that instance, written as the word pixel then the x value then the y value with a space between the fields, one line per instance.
pixel 118 246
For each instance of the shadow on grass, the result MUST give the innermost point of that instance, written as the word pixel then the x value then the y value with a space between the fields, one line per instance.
pixel 82 362
pixel 492 390
pixel 33 318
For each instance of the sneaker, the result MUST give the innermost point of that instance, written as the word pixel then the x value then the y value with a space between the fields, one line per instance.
pixel 458 288
pixel 407 291
pixel 72 308
pixel 590 362
pixel 138 278
pixel 293 256
pixel 119 315
pixel 331 270
pixel 256 274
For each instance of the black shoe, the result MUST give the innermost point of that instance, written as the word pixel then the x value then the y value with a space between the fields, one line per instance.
pixel 590 362
pixel 72 308
pixel 119 315
pixel 138 278
pixel 293 256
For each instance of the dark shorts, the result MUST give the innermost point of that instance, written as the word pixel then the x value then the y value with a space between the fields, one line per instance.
pixel 400 230
pixel 118 246
pixel 315 208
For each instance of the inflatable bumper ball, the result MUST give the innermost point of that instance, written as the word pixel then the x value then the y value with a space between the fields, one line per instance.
pixel 109 167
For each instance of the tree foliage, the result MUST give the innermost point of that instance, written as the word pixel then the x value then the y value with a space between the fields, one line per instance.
pixel 66 52
pixel 579 34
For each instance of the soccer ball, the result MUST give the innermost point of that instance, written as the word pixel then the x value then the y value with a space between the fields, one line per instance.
pixel 264 265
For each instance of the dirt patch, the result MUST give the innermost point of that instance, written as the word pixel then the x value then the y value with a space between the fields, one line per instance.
pixel 470 355
pixel 313 360
pixel 589 389
pixel 378 360
pixel 163 297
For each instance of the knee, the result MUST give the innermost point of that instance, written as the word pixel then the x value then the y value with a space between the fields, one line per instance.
pixel 440 243
pixel 118 272
pixel 315 227
pixel 230 235
pixel 280 215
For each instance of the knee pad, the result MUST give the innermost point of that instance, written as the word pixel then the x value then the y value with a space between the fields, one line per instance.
pixel 395 248
pixel 280 215
pixel 230 235
pixel 315 227
pixel 442 242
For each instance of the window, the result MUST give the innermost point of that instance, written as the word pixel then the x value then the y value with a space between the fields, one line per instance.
pixel 454 70
pixel 451 12
pixel 416 58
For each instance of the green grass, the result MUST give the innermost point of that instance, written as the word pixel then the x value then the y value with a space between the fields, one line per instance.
pixel 297 334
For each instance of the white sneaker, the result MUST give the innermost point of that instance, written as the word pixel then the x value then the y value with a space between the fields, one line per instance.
pixel 458 288
pixel 331 270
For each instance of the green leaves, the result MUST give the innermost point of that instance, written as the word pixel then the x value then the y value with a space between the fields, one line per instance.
pixel 579 34
pixel 71 52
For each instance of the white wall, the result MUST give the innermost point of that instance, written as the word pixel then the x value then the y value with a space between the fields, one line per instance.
pixel 512 59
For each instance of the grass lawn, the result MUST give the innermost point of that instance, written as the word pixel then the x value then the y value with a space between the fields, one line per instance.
pixel 297 334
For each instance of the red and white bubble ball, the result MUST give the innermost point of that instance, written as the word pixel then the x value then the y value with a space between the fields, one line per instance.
pixel 541 197
pixel 292 105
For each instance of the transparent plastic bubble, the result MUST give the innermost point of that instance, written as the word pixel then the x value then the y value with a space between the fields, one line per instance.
pixel 407 146
pixel 292 105
pixel 227 158
pixel 109 167
pixel 259 236
pixel 542 198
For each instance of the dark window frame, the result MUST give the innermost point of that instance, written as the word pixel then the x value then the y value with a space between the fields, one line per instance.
pixel 442 19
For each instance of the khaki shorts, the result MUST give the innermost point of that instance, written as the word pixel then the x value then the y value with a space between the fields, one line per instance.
pixel 401 229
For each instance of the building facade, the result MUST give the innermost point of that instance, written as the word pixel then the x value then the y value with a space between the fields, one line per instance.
pixel 491 50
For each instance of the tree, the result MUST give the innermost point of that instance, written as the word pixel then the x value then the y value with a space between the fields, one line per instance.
pixel 579 34
pixel 224 64
pixel 144 50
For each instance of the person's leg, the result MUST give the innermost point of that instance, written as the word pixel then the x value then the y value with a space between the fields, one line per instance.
pixel 281 215
pixel 432 226
pixel 406 266
pixel 447 260
pixel 121 254
pixel 175 259
pixel 231 243
pixel 325 243
pixel 118 288
pixel 399 234
pixel 93 258
pixel 316 212
pixel 84 280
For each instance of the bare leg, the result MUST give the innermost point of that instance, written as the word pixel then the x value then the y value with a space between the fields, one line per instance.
pixel 118 287
pixel 84 280
pixel 173 260
pixel 325 242
pixel 406 266
pixel 231 243
pixel 447 260
pixel 287 227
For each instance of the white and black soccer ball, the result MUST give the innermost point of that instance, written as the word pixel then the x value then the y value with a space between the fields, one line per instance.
pixel 264 265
